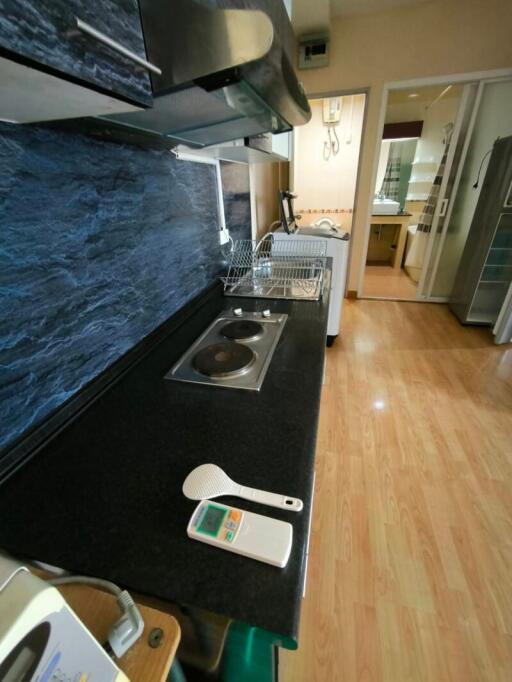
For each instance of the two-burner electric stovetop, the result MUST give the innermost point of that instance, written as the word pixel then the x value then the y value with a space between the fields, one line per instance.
pixel 234 351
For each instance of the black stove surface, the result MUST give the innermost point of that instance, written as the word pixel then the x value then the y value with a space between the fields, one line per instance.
pixel 224 359
pixel 242 330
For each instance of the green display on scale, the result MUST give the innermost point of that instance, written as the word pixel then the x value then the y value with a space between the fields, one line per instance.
pixel 212 520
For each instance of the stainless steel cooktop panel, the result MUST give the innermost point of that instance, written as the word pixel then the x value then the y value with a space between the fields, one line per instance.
pixel 262 346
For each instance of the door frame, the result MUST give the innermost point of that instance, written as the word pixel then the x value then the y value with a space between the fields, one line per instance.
pixel 339 93
pixel 424 287
pixel 480 87
pixel 448 79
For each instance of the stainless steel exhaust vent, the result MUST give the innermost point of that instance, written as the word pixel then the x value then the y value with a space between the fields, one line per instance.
pixel 226 71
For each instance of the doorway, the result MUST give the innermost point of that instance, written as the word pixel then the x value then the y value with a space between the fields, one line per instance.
pixel 421 128
pixel 490 119
pixel 422 263
pixel 325 164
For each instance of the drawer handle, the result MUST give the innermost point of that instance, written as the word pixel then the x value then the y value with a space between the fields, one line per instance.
pixel 102 38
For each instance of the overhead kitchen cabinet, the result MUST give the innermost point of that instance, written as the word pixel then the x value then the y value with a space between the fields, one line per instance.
pixel 70 58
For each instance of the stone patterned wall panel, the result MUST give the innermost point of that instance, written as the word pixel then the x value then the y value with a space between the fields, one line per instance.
pixel 99 244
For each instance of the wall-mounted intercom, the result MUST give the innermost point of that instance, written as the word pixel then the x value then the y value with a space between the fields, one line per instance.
pixel 313 51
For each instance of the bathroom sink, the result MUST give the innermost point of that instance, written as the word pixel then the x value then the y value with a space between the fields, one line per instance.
pixel 385 207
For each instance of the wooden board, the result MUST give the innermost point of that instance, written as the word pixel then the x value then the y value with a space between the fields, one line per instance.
pixel 98 611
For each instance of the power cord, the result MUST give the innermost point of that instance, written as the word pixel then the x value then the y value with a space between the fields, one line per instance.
pixel 336 143
pixel 327 148
pixel 489 151
pixel 130 626
pixel 225 252
pixel 332 146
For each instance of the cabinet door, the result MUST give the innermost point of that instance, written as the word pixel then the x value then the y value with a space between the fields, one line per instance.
pixel 45 32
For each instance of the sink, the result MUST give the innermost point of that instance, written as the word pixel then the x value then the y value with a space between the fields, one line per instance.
pixel 386 207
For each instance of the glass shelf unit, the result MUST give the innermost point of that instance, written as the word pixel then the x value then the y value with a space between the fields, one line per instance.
pixel 495 276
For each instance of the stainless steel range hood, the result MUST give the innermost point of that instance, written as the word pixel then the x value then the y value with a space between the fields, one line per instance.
pixel 226 71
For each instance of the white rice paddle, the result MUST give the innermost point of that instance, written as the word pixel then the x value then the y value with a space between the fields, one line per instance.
pixel 209 480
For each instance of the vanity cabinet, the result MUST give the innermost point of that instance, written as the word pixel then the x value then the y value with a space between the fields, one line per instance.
pixel 56 36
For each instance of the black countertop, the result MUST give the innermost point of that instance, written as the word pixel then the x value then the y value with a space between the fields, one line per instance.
pixel 104 497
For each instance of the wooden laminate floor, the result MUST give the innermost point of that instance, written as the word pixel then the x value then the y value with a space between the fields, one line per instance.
pixel 410 570
pixel 384 281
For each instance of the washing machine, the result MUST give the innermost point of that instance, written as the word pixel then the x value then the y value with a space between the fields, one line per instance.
pixel 337 247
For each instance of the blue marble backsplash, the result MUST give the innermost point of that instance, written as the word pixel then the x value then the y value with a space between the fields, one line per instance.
pixel 99 244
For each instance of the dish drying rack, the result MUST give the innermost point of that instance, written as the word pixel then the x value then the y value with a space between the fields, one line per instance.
pixel 277 268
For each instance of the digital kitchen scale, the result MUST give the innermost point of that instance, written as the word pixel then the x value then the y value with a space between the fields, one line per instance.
pixel 242 532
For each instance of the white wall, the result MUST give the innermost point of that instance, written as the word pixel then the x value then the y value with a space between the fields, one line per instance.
pixel 328 184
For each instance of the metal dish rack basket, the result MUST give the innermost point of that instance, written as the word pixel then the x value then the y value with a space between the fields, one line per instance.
pixel 277 268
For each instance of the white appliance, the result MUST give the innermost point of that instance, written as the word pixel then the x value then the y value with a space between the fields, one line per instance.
pixel 337 245
pixel 331 112
pixel 41 638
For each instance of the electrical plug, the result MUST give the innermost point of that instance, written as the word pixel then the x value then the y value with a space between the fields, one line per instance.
pixel 128 629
